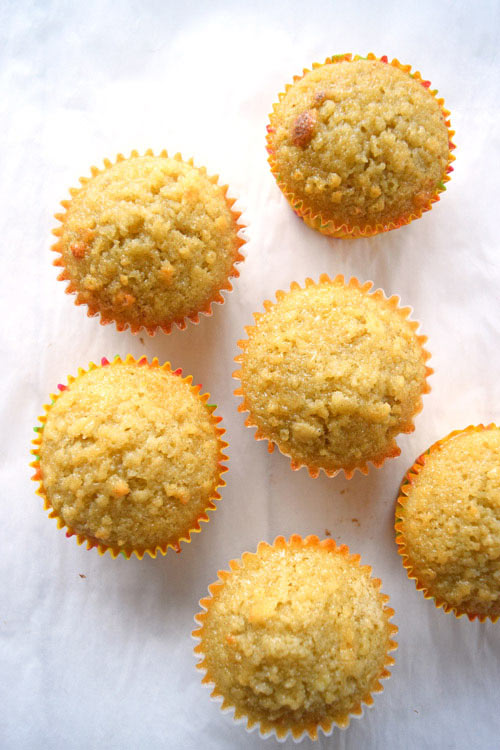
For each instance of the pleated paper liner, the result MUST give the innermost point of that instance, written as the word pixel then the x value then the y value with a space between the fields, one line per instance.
pixel 278 731
pixel 324 224
pixel 390 302
pixel 404 491
pixel 127 550
pixel 106 315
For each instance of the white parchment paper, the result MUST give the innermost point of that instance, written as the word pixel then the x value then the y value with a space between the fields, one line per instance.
pixel 97 652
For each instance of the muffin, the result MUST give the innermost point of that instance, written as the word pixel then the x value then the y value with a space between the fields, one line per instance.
pixel 448 522
pixel 295 637
pixel 360 146
pixel 148 242
pixel 128 457
pixel 332 373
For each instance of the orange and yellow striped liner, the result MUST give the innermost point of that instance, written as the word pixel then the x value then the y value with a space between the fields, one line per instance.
pixel 92 542
pixel 390 302
pixel 327 725
pixel 347 231
pixel 106 317
pixel 404 491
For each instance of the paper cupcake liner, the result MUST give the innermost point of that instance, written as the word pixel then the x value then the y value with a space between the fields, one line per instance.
pixel 267 729
pixel 391 302
pixel 128 551
pixel 347 231
pixel 107 317
pixel 404 491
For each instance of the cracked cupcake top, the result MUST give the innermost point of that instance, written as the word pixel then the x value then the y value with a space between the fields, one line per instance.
pixel 450 522
pixel 150 240
pixel 295 636
pixel 332 374
pixel 129 456
pixel 361 143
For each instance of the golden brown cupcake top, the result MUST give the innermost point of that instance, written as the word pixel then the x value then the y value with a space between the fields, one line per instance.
pixel 332 374
pixel 360 142
pixel 450 522
pixel 149 240
pixel 296 636
pixel 129 456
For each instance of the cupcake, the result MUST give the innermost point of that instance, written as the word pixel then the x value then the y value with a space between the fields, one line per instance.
pixel 332 373
pixel 148 242
pixel 128 457
pixel 295 637
pixel 448 522
pixel 359 145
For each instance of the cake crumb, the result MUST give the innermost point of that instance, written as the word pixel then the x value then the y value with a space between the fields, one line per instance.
pixel 121 488
pixel 328 532
pixel 303 127
pixel 78 249
pixel 123 299
pixel 166 273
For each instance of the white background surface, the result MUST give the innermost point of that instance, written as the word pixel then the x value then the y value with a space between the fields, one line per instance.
pixel 106 660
